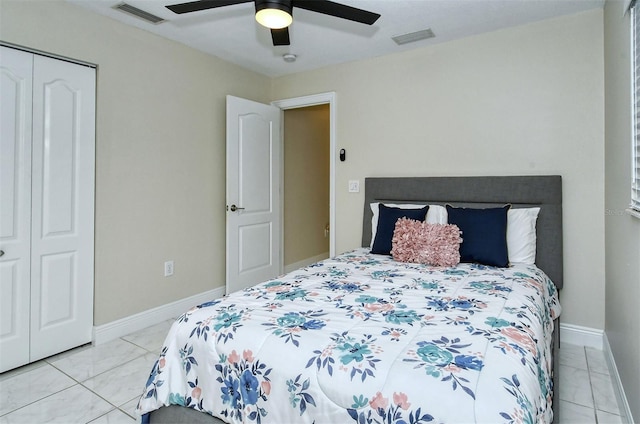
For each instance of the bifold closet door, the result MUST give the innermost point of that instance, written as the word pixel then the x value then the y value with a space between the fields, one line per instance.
pixel 16 71
pixel 63 163
pixel 59 181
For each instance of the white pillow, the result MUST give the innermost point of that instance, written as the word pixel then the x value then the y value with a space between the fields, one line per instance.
pixel 521 228
pixel 521 235
pixel 435 215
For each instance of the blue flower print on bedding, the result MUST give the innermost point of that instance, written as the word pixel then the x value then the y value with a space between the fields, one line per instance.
pixel 460 303
pixel 345 286
pixel 292 294
pixel 244 384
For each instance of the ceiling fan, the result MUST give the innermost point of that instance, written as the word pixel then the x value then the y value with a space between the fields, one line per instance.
pixel 277 14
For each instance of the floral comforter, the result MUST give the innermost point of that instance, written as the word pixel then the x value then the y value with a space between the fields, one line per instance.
pixel 362 338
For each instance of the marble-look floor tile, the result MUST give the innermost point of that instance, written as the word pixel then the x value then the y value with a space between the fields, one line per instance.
pixel 571 413
pixel 607 418
pixel 573 356
pixel 114 417
pixel 27 387
pixel 597 361
pixel 130 408
pixel 151 338
pixel 21 370
pixel 603 393
pixel 98 359
pixel 73 405
pixel 68 353
pixel 575 386
pixel 121 384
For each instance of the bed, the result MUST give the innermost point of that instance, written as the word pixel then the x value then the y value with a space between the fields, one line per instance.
pixel 363 338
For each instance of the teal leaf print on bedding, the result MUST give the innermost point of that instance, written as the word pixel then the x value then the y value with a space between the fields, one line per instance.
pixel 364 298
pixel 176 399
pixel 433 355
pixel 441 358
pixel 350 350
pixel 353 352
pixel 290 325
pixel 400 317
pixel 490 288
pixel 523 413
pixel 298 395
pixel 497 322
pixel 386 275
pixel 227 322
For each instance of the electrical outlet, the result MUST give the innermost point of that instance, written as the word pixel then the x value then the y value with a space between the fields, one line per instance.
pixel 168 268
pixel 354 186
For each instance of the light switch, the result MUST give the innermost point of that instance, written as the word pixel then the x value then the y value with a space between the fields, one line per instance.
pixel 354 186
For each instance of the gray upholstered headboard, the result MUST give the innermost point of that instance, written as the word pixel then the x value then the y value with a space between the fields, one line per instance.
pixel 521 191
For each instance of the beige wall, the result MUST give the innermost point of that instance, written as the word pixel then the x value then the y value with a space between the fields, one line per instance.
pixel 525 100
pixel 306 183
pixel 622 230
pixel 160 152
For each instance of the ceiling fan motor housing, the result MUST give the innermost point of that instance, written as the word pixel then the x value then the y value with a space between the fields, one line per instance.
pixel 284 5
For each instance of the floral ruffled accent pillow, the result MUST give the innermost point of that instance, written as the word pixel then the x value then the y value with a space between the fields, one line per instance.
pixel 431 244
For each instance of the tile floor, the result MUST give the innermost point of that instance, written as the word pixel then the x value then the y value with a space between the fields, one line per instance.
pixel 101 384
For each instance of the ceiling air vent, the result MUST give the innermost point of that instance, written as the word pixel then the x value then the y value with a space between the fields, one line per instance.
pixel 413 36
pixel 138 13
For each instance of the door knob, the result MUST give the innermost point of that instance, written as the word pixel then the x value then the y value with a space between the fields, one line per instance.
pixel 235 208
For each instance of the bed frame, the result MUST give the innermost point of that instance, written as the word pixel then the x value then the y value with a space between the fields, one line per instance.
pixel 520 191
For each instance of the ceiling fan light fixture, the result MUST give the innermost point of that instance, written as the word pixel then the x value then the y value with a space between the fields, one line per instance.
pixel 273 14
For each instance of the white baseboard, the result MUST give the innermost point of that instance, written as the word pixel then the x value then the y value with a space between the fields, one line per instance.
pixel 597 339
pixel 623 404
pixel 305 262
pixel 581 336
pixel 122 327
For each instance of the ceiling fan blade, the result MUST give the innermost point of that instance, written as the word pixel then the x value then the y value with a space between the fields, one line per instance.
pixel 280 37
pixel 338 10
pixel 194 6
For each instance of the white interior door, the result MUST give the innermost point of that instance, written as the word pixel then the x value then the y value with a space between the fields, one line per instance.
pixel 16 69
pixel 253 193
pixel 62 206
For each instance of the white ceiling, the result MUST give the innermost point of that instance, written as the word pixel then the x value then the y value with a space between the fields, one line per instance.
pixel 232 33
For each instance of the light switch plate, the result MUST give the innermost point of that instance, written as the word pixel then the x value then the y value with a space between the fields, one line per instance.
pixel 354 186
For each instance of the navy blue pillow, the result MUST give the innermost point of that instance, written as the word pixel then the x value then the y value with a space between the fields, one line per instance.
pixel 387 217
pixel 484 234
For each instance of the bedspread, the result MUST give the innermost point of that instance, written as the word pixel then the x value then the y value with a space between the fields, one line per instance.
pixel 363 338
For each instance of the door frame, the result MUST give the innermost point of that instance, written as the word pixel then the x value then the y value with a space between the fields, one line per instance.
pixel 306 101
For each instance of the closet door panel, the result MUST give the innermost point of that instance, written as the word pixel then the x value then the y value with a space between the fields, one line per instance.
pixel 16 68
pixel 59 177
pixel 62 206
